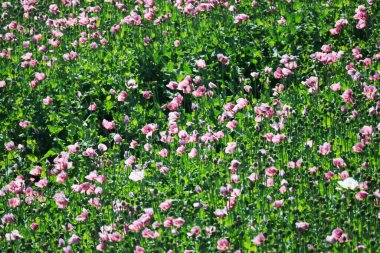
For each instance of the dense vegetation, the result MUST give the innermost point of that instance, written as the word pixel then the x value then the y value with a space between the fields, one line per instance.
pixel 189 126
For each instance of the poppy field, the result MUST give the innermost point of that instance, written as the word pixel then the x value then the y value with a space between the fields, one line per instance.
pixel 189 126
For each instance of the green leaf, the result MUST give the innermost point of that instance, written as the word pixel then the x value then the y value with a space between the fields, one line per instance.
pixel 108 105
pixel 51 152
pixel 32 158
pixel 54 129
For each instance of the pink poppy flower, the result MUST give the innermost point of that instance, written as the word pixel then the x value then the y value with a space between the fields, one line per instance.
pixel 14 235
pixel 337 233
pixel 133 144
pixel 172 85
pixel 370 92
pixel 278 138
pixel 130 161
pixel 163 152
pixel 223 59
pixel 201 64
pixel 335 31
pixel 367 130
pixel 8 219
pixel 193 153
pixel 178 222
pixel 302 225
pixel 339 163
pixel 283 189
pixel 34 226
pixel 24 124
pixel 363 185
pixel 147 233
pixel 147 94
pixel 92 107
pixel 33 83
pixel 348 96
pixel 259 239
pixel 253 177
pixel 344 175
pixel 61 200
pixel 102 148
pixel 177 43
pixel 115 237
pixel 231 146
pixel 53 8
pixel 210 230
pixel 39 76
pixel 73 149
pixel 271 171
pixel 200 91
pixel 312 83
pixel 235 178
pixel 109 125
pixel 269 182
pixel 10 146
pixel 220 213
pixel 326 48
pixel 223 245
pixel 278 203
pixel 330 239
pixel 240 18
pixel 90 152
pixel 272 9
pixel 335 87
pixel 232 124
pixel 47 101
pixel 164 170
pixel 101 246
pixel 166 205
pixel 95 202
pixel 168 222
pixel 278 73
pixel 42 183
pixel 329 175
pixel 325 148
pixel 281 21
pixel 358 147
pixel 242 103
pixel 122 96
pixel 361 195
pixel 149 128
pixel 312 170
pixel 117 138
pixel 229 106
pixel 74 239
pixel 83 216
pixel 344 238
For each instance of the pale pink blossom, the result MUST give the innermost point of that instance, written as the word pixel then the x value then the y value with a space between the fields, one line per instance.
pixel 137 175
pixel 47 101
pixel 24 124
pixel 259 239
pixel 278 203
pixel 324 149
pixel 14 235
pixel 201 63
